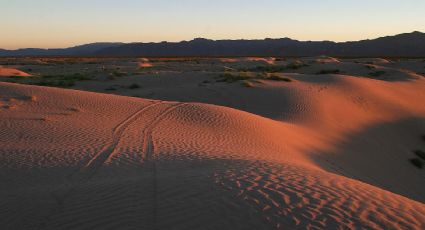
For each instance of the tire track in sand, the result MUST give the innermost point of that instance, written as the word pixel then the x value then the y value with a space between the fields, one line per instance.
pixel 149 151
pixel 94 164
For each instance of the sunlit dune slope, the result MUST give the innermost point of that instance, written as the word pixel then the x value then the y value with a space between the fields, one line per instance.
pixel 11 72
pixel 78 160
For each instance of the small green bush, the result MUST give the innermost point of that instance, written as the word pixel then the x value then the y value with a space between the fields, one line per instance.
pixel 417 162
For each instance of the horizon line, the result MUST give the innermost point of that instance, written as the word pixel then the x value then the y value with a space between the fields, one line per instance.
pixel 210 39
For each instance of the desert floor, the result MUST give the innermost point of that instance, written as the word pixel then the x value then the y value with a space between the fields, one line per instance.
pixel 212 143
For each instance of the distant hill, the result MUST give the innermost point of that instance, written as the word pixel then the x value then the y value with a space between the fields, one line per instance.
pixel 82 50
pixel 402 45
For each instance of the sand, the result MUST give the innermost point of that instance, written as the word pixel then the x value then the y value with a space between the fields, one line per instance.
pixel 12 72
pixel 328 151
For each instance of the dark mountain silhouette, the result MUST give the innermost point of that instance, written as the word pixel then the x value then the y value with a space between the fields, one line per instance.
pixel 83 50
pixel 402 45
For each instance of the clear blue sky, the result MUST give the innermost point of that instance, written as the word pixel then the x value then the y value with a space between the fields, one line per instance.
pixel 62 23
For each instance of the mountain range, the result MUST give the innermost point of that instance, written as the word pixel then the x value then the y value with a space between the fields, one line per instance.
pixel 401 45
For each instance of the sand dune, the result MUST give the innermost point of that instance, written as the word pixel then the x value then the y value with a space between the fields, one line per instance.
pixel 79 160
pixel 11 72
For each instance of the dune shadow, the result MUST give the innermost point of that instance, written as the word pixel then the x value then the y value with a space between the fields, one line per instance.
pixel 379 155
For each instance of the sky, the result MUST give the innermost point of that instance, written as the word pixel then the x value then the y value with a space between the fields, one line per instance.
pixel 65 23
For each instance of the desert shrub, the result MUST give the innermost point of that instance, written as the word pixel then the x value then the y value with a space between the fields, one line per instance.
pixel 377 73
pixel 269 69
pixel 230 78
pixel 62 81
pixel 61 84
pixel 110 88
pixel 111 77
pixel 134 86
pixel 329 71
pixel 296 65
pixel 420 154
pixel 68 77
pixel 417 162
pixel 279 78
pixel 119 73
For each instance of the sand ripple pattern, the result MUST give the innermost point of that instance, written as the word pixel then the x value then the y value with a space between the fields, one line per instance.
pixel 291 197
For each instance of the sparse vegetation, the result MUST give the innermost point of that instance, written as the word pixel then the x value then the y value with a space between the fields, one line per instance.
pixel 110 88
pixel 269 69
pixel 68 77
pixel 230 78
pixel 417 162
pixel 111 77
pixel 62 81
pixel 377 73
pixel 329 71
pixel 277 68
pixel 53 83
pixel 296 65
pixel 118 73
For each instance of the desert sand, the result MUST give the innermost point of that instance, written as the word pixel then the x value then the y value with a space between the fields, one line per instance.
pixel 320 144
pixel 11 72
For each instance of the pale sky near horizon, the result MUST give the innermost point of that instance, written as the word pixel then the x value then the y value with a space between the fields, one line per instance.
pixel 64 23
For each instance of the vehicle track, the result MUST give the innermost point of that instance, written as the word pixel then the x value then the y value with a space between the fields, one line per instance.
pixel 149 151
pixel 94 164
